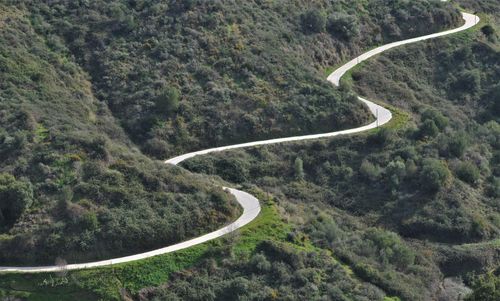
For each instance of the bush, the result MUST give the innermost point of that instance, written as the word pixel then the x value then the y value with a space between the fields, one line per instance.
pixel 439 119
pixel 485 288
pixel 435 174
pixel 488 30
pixel 469 81
pixel 457 144
pixel 428 129
pixel 493 188
pixel 233 170
pixel 167 102
pixel 369 170
pixel 467 172
pixel 396 171
pixel 15 198
pixel 314 20
pixel 383 136
pixel 299 169
pixel 343 26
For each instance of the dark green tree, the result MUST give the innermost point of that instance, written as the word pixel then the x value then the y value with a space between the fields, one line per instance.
pixel 485 288
pixel 314 20
pixel 299 168
pixel 15 197
pixel 435 174
pixel 167 102
pixel 467 172
pixel 343 26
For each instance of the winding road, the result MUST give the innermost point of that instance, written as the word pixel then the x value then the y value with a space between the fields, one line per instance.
pixel 250 204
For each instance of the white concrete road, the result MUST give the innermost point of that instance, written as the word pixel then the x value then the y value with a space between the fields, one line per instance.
pixel 250 204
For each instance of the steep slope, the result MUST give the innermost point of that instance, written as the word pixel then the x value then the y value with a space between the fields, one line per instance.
pixel 182 76
pixel 71 183
pixel 434 181
pixel 401 272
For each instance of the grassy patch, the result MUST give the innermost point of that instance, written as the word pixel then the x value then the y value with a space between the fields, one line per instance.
pixel 108 282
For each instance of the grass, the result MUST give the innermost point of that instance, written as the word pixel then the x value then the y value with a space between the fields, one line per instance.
pixel 107 283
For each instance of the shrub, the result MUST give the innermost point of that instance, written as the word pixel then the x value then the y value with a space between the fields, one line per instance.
pixel 469 81
pixel 15 198
pixel 493 188
pixel 369 170
pixel 232 170
pixel 260 263
pixel 428 129
pixel 394 251
pixel 439 119
pixel 89 221
pixel 467 172
pixel 488 30
pixel 396 171
pixel 435 174
pixel 299 168
pixel 167 102
pixel 343 26
pixel 383 136
pixel 313 20
pixel 457 144
pixel 485 288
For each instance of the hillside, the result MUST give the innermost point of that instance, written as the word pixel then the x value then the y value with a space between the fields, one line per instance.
pixel 72 185
pixel 86 86
pixel 412 203
pixel 181 76
pixel 91 91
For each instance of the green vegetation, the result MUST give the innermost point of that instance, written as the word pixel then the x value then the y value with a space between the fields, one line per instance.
pixel 182 77
pixel 430 180
pixel 486 288
pixel 71 184
pixel 385 215
pixel 15 198
pixel 82 84
pixel 435 174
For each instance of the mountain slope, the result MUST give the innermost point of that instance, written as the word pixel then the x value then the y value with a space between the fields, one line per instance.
pixel 72 185
pixel 182 76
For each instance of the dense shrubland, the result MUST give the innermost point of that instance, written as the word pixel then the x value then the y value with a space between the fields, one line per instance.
pixel 421 200
pixel 275 272
pixel 367 217
pixel 71 184
pixel 82 81
pixel 186 75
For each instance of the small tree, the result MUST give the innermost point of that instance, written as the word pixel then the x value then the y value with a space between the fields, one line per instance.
pixel 15 197
pixel 435 174
pixel 299 169
pixel 467 172
pixel 313 20
pixel 369 170
pixel 428 129
pixel 343 26
pixel 167 102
